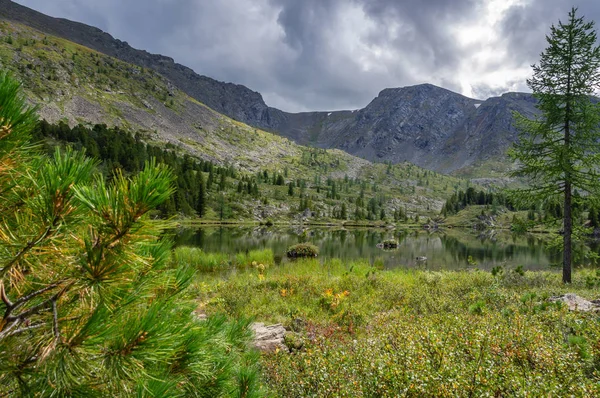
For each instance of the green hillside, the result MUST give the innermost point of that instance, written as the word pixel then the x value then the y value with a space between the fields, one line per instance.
pixel 77 86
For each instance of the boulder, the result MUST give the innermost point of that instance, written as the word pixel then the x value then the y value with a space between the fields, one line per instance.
pixel 268 338
pixel 576 303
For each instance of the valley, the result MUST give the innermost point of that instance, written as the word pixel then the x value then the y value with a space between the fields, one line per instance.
pixel 167 234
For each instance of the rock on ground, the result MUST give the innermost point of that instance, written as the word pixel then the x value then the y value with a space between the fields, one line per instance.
pixel 576 303
pixel 268 338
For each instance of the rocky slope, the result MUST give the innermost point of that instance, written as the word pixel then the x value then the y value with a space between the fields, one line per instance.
pixel 70 82
pixel 426 125
pixel 233 100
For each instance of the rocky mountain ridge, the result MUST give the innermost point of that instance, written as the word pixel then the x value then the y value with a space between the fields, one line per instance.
pixel 426 125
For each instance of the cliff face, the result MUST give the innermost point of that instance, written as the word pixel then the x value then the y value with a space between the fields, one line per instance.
pixel 426 125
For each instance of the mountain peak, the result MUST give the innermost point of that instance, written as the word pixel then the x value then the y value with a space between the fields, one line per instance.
pixel 423 88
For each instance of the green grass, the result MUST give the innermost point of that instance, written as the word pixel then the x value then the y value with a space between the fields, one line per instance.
pixel 211 262
pixel 369 332
pixel 254 258
pixel 196 258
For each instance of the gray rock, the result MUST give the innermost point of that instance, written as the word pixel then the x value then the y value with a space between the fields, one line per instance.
pixel 268 338
pixel 577 303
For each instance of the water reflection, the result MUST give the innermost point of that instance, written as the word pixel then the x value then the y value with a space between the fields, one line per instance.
pixel 452 249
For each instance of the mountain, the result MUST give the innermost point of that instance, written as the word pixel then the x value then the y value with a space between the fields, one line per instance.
pixel 73 85
pixel 426 125
pixel 233 100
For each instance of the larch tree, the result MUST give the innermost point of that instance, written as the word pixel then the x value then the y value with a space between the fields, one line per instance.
pixel 558 151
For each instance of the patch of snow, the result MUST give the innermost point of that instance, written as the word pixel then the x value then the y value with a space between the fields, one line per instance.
pixel 329 114
pixel 477 106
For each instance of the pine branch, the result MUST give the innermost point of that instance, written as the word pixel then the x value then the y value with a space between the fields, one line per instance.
pixel 5 331
pixel 30 245
pixel 24 329
pixel 24 299
pixel 55 329
pixel 4 297
pixel 37 308
pixel 10 307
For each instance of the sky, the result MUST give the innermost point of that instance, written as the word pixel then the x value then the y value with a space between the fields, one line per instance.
pixel 304 55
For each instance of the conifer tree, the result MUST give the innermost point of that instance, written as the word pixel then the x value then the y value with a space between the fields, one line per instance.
pixel 210 180
pixel 593 217
pixel 90 303
pixel 201 204
pixel 222 182
pixel 559 151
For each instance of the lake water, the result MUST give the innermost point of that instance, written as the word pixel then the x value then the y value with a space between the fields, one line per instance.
pixel 451 249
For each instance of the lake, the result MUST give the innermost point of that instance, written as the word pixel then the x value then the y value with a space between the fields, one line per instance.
pixel 451 249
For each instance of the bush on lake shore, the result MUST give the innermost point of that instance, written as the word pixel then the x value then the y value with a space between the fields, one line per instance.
pixel 302 250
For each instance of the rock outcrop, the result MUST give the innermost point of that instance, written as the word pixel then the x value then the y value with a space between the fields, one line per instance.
pixel 273 337
pixel 577 303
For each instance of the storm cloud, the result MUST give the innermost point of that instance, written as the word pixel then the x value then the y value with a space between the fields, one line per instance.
pixel 336 54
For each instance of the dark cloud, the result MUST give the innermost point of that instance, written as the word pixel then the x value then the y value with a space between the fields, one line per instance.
pixel 334 54
pixel 423 26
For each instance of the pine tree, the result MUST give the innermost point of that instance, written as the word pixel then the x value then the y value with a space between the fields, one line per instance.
pixel 559 151
pixel 90 303
pixel 210 180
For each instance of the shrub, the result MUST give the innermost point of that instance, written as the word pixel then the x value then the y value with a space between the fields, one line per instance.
pixel 389 244
pixel 302 250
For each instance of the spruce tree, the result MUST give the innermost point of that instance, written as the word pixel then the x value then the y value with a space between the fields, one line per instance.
pixel 210 179
pixel 222 181
pixel 201 203
pixel 593 217
pixel 559 151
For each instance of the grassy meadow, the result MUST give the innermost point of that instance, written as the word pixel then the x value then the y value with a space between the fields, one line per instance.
pixel 371 332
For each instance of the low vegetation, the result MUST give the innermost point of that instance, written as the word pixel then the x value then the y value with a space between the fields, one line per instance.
pixel 389 244
pixel 368 332
pixel 211 262
pixel 302 250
